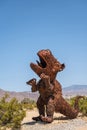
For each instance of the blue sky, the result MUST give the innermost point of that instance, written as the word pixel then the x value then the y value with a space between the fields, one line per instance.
pixel 26 26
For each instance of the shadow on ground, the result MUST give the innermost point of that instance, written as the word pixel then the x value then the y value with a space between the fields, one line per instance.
pixel 39 122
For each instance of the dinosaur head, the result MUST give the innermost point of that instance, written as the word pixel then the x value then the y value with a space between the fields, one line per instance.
pixel 47 64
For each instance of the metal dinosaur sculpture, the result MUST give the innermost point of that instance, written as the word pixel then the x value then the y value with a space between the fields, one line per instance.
pixel 50 99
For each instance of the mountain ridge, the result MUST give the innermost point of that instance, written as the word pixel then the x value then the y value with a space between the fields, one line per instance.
pixel 68 92
pixel 74 90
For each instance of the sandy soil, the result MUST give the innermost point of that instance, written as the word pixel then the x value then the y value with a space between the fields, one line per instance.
pixel 59 121
pixel 83 127
pixel 58 118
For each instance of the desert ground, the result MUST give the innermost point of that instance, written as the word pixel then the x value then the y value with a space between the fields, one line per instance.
pixel 60 122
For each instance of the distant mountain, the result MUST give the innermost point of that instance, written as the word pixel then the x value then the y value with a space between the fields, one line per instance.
pixel 67 92
pixel 19 95
pixel 75 90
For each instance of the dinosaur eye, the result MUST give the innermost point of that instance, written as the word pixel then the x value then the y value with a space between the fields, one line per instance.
pixel 48 50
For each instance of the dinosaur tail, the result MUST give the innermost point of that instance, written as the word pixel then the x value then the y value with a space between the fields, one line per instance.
pixel 74 112
pixel 66 109
pixel 76 104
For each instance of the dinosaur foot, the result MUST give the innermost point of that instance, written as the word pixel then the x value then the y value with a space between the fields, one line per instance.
pixel 46 119
pixel 38 118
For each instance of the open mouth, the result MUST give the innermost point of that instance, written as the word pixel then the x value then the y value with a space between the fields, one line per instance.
pixel 42 63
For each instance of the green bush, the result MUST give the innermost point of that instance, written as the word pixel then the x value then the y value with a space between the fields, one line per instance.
pixel 28 103
pixel 82 105
pixel 11 113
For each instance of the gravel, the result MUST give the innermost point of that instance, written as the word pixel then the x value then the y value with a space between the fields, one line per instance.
pixel 65 125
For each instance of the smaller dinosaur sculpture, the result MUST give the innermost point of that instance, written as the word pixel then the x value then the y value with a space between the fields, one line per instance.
pixel 50 99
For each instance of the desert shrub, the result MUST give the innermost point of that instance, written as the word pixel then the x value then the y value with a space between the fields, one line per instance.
pixel 11 113
pixel 28 103
pixel 72 101
pixel 82 104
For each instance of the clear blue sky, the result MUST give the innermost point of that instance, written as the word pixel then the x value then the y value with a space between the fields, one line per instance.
pixel 27 26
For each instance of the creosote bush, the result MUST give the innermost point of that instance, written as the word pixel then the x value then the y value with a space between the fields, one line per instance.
pixel 28 103
pixel 82 105
pixel 11 113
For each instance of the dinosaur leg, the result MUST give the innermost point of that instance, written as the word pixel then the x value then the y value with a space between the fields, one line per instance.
pixel 49 111
pixel 41 109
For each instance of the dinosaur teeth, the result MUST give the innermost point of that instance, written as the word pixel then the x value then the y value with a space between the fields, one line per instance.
pixel 38 63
